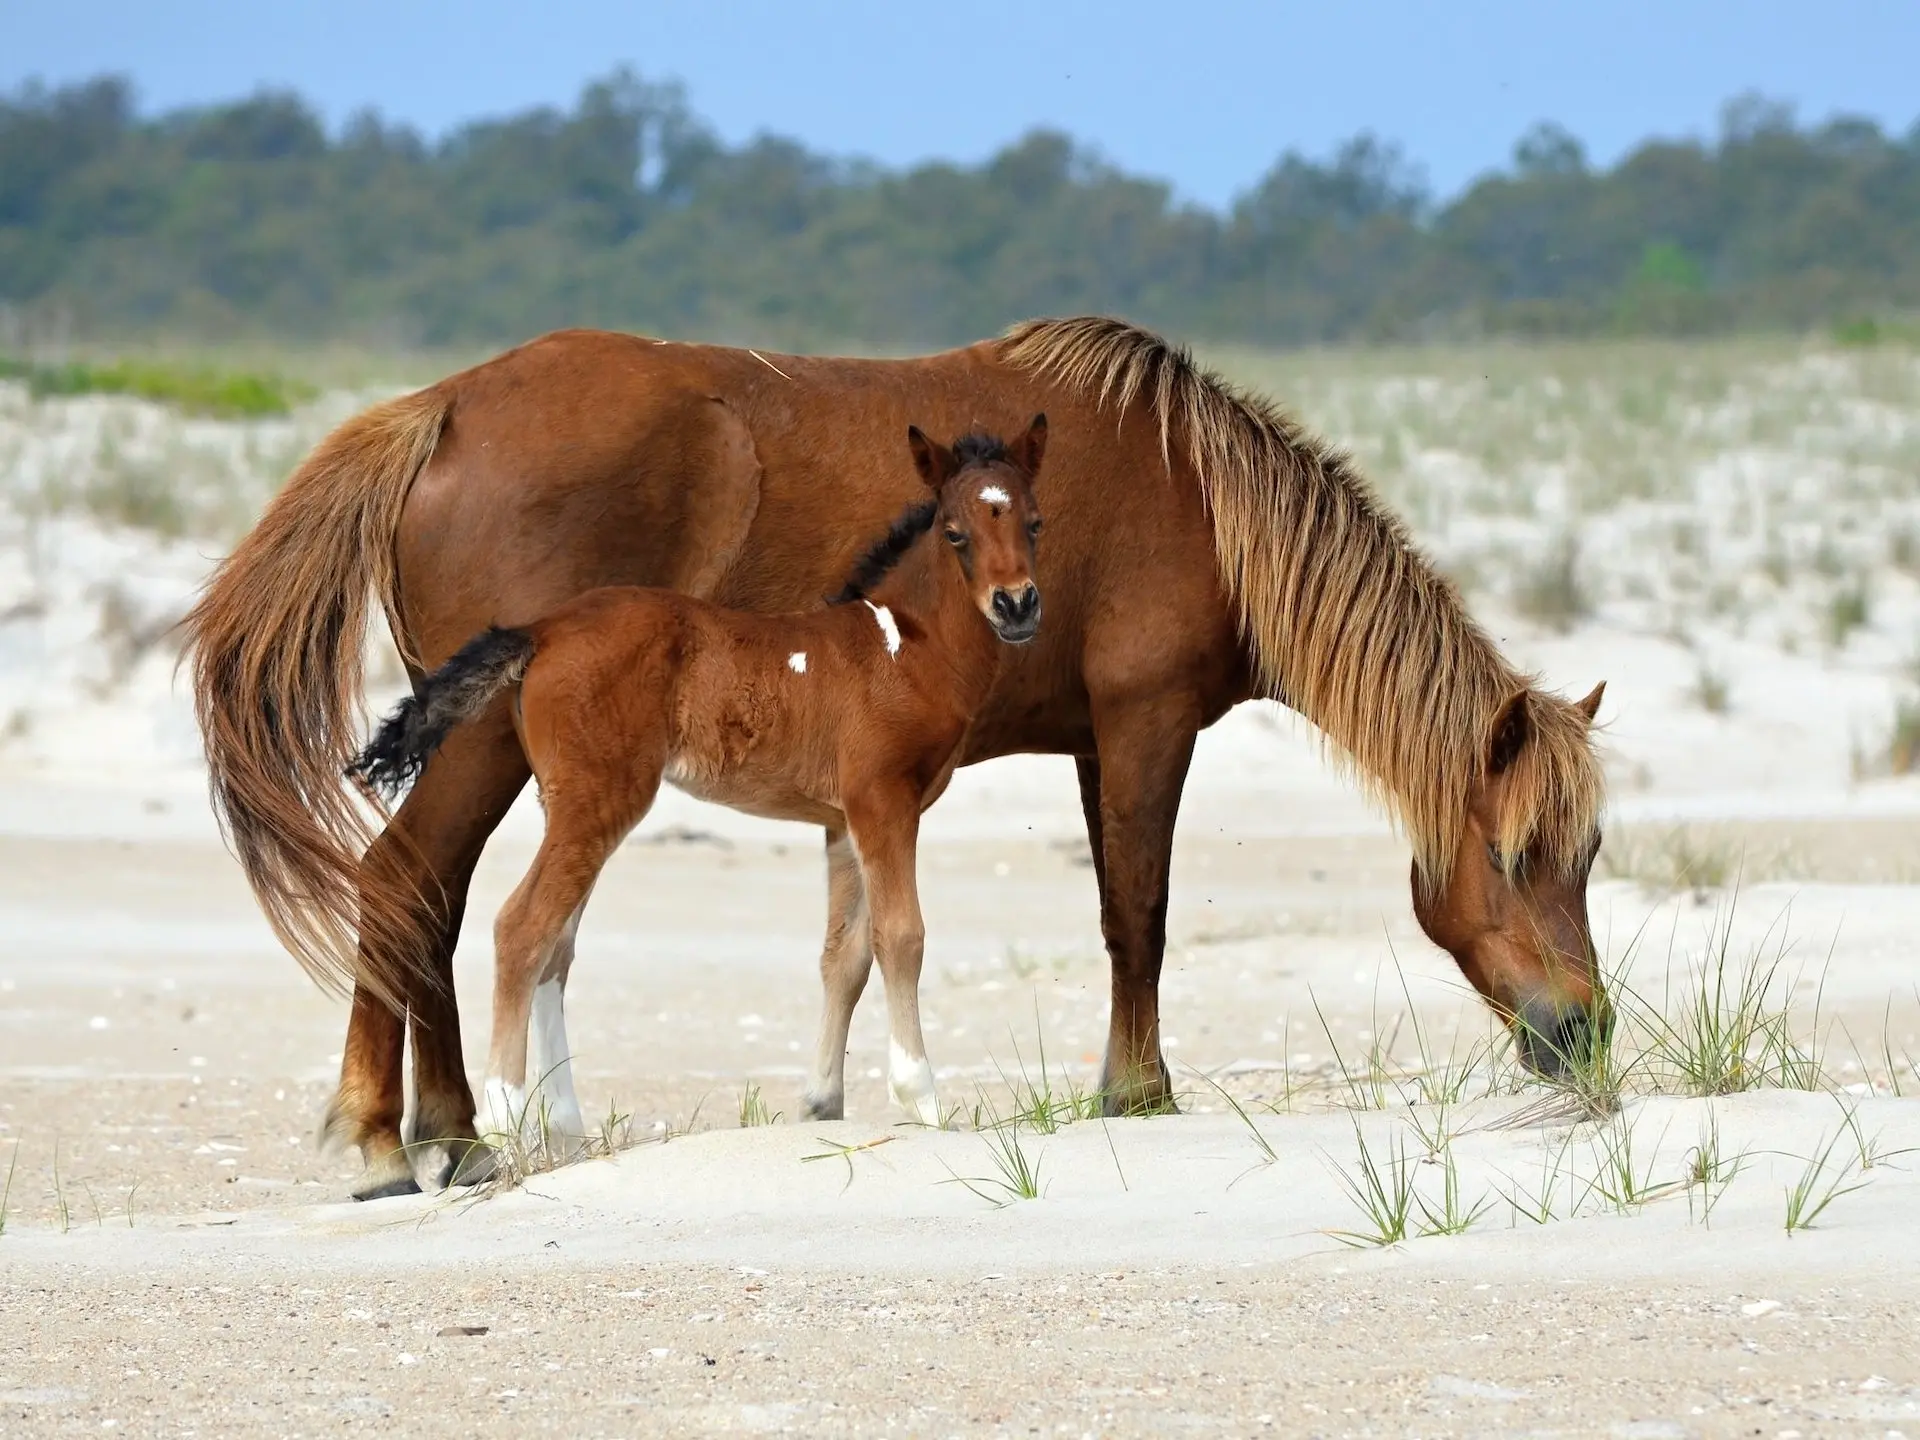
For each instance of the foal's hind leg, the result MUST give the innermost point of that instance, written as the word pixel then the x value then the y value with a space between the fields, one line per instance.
pixel 550 1062
pixel 845 962
pixel 594 794
pixel 885 835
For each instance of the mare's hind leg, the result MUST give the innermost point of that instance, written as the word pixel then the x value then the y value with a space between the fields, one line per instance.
pixel 1145 749
pixel 845 961
pixel 885 836
pixel 434 841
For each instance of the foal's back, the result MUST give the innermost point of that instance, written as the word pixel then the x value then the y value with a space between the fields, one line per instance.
pixel 760 713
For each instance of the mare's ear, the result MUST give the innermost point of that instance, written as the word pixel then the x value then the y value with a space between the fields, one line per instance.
pixel 1031 448
pixel 1512 728
pixel 1590 706
pixel 933 460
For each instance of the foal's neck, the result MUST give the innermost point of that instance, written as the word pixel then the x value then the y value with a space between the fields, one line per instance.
pixel 928 590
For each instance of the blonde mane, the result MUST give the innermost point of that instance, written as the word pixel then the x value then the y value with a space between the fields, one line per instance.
pixel 1346 621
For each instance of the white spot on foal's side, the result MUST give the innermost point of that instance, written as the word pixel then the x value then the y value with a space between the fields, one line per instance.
pixel 994 495
pixel 889 631
pixel 797 662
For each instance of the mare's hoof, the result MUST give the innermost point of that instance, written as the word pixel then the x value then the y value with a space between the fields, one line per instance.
pixel 385 1189
pixel 1138 1100
pixel 468 1163
pixel 824 1109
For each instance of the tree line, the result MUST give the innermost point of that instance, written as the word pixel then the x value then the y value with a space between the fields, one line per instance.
pixel 250 220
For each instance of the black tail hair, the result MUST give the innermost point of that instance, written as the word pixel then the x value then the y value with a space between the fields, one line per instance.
pixel 450 696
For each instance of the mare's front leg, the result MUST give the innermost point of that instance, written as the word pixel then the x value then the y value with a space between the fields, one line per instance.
pixel 1132 800
pixel 886 830
pixel 845 962
pixel 433 844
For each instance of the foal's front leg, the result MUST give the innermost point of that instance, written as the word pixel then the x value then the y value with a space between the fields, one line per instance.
pixel 845 962
pixel 886 832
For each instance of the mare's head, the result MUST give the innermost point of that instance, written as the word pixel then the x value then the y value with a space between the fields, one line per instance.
pixel 1508 900
pixel 985 513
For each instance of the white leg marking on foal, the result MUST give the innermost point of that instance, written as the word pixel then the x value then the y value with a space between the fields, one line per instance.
pixel 503 1109
pixel 409 1098
pixel 994 495
pixel 797 662
pixel 911 1079
pixel 553 1073
pixel 889 631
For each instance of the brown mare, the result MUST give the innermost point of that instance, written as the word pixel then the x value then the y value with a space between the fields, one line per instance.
pixel 1203 549
pixel 850 718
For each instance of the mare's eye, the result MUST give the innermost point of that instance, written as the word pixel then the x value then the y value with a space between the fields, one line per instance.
pixel 1033 527
pixel 1506 864
pixel 956 539
pixel 1494 855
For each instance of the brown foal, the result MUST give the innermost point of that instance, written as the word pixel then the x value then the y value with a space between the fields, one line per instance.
pixel 852 718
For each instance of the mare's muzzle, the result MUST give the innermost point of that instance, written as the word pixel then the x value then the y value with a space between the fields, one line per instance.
pixel 1016 614
pixel 1558 1041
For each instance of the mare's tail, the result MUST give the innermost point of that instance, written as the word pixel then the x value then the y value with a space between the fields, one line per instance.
pixel 278 637
pixel 452 695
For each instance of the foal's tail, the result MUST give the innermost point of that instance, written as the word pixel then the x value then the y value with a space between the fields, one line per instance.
pixel 452 695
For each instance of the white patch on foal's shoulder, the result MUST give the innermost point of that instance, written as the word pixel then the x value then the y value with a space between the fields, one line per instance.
pixel 889 631
pixel 797 662
pixel 994 495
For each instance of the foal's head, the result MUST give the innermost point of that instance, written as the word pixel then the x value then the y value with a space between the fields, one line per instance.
pixel 984 510
pixel 1511 907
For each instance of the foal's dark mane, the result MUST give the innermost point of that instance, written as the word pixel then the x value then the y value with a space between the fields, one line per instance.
pixel 888 551
pixel 969 450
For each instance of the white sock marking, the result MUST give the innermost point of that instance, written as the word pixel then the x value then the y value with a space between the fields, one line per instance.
pixel 994 495
pixel 889 631
pixel 797 662
pixel 552 1064
pixel 503 1109
pixel 911 1080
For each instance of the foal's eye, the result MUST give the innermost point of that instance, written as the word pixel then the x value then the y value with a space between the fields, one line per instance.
pixel 957 539
pixel 1506 864
pixel 1033 528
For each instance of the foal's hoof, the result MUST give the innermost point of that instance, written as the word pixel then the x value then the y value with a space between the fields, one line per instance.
pixel 387 1188
pixel 824 1108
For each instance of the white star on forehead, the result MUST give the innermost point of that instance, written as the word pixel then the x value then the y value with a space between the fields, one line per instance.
pixel 994 495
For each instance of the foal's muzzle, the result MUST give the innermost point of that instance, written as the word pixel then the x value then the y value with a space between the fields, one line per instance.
pixel 1016 614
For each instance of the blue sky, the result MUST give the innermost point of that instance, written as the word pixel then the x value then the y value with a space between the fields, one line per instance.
pixel 1203 94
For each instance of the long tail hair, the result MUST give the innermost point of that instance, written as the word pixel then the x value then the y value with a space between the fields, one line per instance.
pixel 450 696
pixel 1344 618
pixel 278 639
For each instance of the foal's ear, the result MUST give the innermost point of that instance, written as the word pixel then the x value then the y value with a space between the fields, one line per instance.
pixel 1512 728
pixel 1590 706
pixel 1031 448
pixel 932 459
